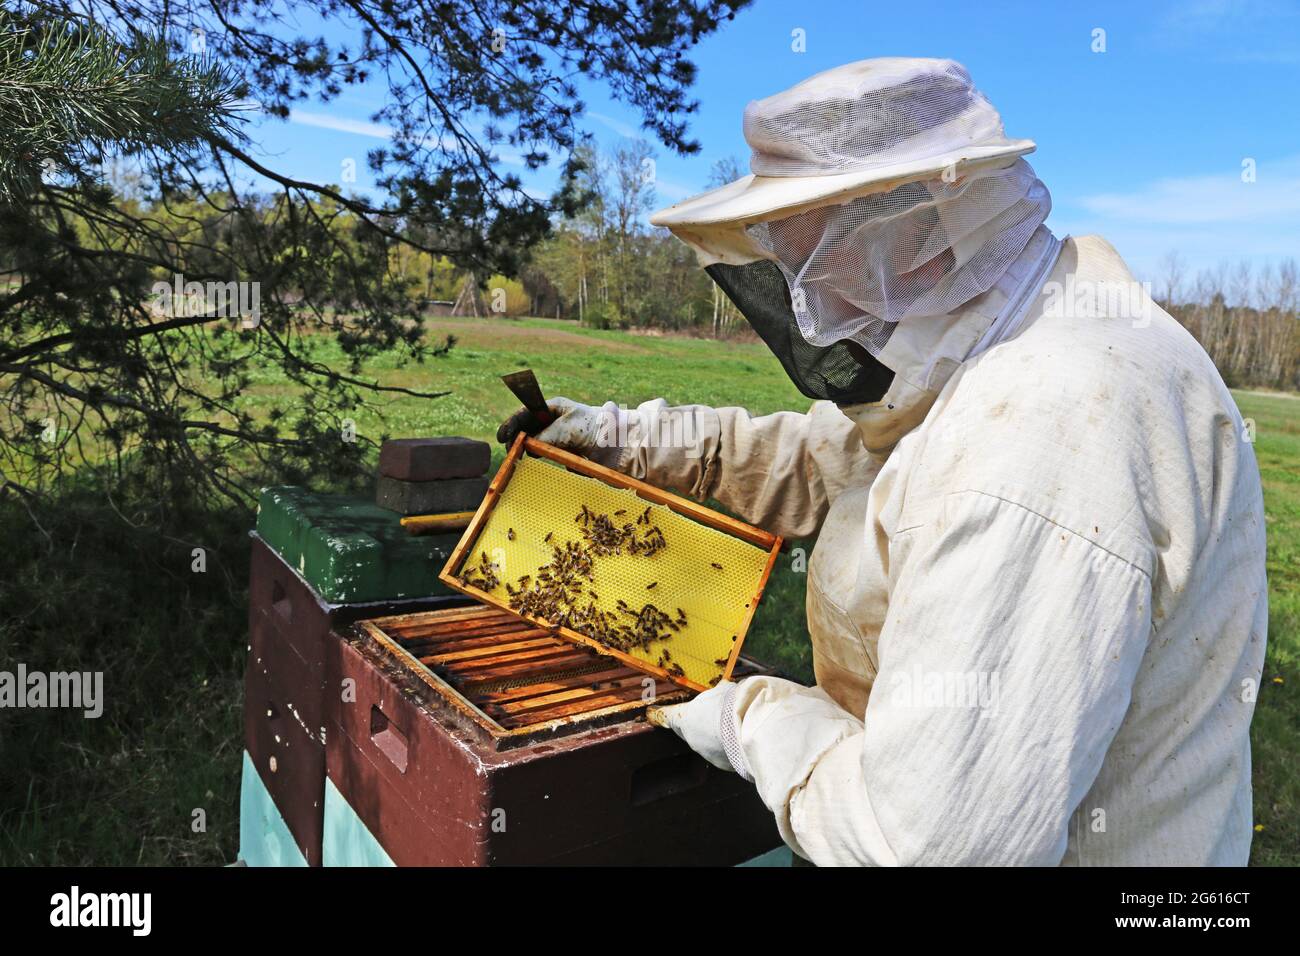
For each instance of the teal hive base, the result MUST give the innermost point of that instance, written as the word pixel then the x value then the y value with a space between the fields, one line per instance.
pixel 264 840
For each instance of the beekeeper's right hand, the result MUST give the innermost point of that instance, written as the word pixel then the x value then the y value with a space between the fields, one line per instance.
pixel 598 434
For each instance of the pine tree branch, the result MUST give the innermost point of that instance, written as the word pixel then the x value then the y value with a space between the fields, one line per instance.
pixel 70 93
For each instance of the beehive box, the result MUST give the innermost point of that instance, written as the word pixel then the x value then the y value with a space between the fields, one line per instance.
pixel 348 549
pixel 701 574
pixel 439 759
pixel 318 561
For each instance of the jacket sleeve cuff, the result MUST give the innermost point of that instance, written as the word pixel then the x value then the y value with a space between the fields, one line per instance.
pixel 782 730
pixel 729 732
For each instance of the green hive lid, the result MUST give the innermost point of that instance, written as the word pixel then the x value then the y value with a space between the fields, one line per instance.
pixel 348 549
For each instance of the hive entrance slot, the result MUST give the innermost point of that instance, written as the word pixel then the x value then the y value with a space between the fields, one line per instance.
pixel 280 601
pixel 389 738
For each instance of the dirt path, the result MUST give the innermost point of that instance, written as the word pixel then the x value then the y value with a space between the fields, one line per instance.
pixel 489 332
pixel 1250 391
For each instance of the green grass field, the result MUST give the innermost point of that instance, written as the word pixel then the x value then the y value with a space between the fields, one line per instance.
pixel 124 789
pixel 1275 734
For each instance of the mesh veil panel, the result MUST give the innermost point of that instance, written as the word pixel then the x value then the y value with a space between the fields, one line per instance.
pixel 923 249
pixel 760 292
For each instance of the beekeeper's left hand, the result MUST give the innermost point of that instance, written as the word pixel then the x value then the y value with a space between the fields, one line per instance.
pixel 699 722
pixel 595 432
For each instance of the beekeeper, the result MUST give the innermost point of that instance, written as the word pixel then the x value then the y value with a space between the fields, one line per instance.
pixel 1037 601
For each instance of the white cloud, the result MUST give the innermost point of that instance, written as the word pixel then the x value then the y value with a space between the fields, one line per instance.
pixel 618 126
pixel 342 124
pixel 1234 31
pixel 1214 198
pixel 1215 16
pixel 667 189
pixel 1208 219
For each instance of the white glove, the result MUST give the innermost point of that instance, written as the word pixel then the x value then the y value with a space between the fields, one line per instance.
pixel 703 722
pixel 598 434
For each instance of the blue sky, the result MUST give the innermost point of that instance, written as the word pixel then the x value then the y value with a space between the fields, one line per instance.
pixel 1143 143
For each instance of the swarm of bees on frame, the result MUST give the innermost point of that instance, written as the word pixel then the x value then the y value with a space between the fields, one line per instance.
pixel 486 576
pixel 561 593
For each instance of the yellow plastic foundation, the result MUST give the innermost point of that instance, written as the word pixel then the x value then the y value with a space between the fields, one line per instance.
pixel 711 576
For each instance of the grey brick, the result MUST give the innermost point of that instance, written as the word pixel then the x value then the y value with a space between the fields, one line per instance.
pixel 430 497
pixel 431 459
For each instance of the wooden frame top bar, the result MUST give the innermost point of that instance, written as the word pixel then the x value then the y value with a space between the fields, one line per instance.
pixel 683 506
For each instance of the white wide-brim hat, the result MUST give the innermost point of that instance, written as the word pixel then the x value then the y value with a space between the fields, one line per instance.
pixel 861 128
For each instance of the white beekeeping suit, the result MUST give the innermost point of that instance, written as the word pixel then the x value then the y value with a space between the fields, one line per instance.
pixel 1037 602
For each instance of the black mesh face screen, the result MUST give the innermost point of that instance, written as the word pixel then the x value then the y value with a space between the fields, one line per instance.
pixel 759 291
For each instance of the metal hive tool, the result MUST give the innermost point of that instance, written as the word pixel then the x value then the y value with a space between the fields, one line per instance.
pixel 707 578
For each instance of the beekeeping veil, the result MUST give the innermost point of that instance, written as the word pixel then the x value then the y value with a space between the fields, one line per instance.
pixel 883 191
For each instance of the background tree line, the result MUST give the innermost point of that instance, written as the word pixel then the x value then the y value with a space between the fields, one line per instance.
pixel 606 268
pixel 1245 318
